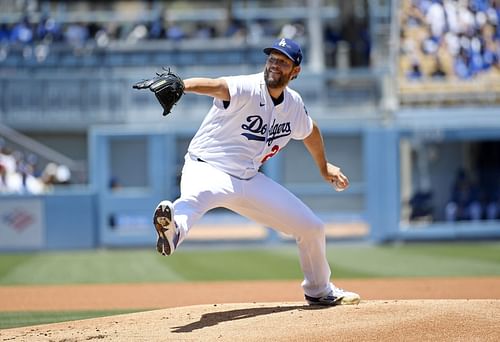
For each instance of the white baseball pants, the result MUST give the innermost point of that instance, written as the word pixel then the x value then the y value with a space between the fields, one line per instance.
pixel 262 200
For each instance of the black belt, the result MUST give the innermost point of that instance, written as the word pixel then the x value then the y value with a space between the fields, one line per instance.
pixel 200 160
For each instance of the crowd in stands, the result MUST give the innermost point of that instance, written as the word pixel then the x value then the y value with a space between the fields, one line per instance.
pixel 469 200
pixel 472 201
pixel 22 173
pixel 49 30
pixel 36 35
pixel 449 38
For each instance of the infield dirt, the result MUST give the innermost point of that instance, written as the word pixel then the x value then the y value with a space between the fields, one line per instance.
pixel 417 309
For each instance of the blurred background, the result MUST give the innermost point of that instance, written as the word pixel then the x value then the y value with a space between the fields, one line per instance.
pixel 407 94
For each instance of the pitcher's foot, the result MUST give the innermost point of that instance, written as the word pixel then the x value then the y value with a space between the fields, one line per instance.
pixel 336 296
pixel 168 234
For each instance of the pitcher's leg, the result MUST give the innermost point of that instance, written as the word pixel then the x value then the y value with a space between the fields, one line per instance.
pixel 267 202
pixel 203 187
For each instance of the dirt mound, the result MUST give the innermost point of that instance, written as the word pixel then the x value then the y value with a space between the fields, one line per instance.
pixel 412 309
pixel 376 320
pixel 169 295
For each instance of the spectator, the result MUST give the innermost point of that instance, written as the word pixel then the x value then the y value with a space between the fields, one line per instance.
pixel 22 32
pixel 237 30
pixel 3 176
pixel 10 180
pixel 466 31
pixel 464 203
pixel 140 32
pixel 175 32
pixel 293 30
pixel 422 206
pixel 255 32
pixel 7 159
pixel 415 73
pixel 102 37
pixel 19 175
pixel 30 183
pixel 436 19
pixel 48 30
pixel 76 35
pixel 54 175
pixel 493 204
pixel 355 33
pixel 49 176
pixel 156 29
pixel 4 33
pixel 204 31
pixel 115 184
pixel 332 37
pixel 414 18
pixel 430 45
pixel 438 72
pixel 461 65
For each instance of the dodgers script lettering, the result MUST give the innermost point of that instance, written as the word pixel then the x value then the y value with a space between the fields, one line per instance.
pixel 258 129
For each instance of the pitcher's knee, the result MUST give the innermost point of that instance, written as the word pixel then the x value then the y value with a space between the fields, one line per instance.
pixel 314 229
pixel 318 228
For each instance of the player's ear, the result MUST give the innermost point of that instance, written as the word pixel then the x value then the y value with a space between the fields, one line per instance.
pixel 295 72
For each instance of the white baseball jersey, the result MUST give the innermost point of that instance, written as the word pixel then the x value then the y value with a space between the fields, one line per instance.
pixel 234 142
pixel 240 138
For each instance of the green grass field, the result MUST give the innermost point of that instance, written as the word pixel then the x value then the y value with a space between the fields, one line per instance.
pixel 270 262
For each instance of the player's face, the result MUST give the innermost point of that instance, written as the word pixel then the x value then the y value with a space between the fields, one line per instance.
pixel 279 70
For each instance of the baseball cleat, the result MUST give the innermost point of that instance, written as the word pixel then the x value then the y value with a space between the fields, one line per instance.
pixel 348 298
pixel 328 300
pixel 336 296
pixel 168 235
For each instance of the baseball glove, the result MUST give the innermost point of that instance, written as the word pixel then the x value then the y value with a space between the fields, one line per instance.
pixel 167 86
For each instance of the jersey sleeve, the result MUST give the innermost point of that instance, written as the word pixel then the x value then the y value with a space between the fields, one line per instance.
pixel 304 123
pixel 239 91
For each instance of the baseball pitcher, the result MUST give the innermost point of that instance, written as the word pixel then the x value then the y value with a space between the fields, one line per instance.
pixel 252 119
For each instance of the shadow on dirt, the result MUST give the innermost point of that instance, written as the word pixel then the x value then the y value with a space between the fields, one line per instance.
pixel 214 318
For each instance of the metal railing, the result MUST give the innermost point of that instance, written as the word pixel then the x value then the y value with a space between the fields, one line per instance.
pixel 61 101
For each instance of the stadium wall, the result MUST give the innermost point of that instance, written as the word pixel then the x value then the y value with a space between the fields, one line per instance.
pixel 148 160
pixel 51 222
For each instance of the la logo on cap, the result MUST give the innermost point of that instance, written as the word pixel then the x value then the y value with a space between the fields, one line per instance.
pixel 282 42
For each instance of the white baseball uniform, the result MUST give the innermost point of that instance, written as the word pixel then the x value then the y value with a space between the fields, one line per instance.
pixel 222 170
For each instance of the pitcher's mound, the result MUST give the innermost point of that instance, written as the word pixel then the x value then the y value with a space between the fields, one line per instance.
pixel 375 320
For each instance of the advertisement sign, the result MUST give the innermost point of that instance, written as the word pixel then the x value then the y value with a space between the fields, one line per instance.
pixel 21 223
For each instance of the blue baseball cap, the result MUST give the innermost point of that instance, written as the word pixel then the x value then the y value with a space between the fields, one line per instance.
pixel 288 47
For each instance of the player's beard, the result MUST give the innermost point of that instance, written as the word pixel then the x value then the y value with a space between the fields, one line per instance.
pixel 278 80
